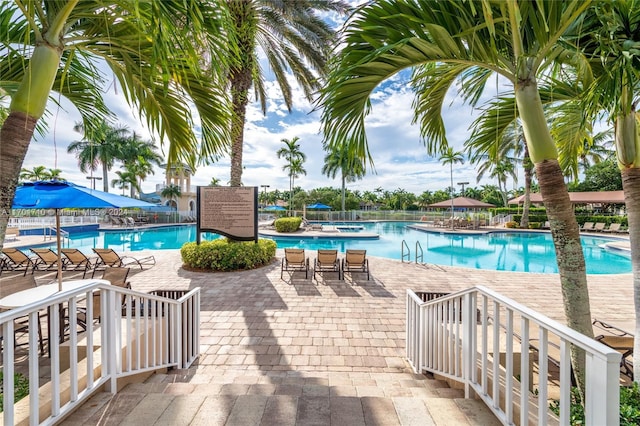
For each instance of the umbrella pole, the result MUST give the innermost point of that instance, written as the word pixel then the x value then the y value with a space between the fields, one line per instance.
pixel 59 252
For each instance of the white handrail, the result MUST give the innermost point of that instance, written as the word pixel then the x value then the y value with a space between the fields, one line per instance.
pixel 475 336
pixel 138 332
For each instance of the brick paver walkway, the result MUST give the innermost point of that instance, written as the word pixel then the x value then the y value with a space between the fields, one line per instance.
pixel 329 352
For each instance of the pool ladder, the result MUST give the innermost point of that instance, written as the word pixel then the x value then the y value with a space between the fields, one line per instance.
pixel 407 255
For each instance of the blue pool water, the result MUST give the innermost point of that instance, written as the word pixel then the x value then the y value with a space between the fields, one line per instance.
pixel 501 251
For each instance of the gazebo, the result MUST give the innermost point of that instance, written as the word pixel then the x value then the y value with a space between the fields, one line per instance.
pixel 462 203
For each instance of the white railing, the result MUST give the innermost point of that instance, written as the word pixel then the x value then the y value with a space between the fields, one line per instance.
pixel 137 333
pixel 477 336
pixel 50 221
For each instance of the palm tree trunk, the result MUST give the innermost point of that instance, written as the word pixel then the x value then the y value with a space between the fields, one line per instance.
pixel 105 177
pixel 564 227
pixel 631 186
pixel 528 172
pixel 15 136
pixel 343 196
pixel 240 83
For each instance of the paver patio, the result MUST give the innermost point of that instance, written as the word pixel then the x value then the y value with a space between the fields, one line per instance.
pixel 330 352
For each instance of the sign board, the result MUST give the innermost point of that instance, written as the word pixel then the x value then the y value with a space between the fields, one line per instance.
pixel 229 211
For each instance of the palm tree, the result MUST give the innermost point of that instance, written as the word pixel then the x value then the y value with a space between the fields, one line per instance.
pixel 51 45
pixel 99 145
pixel 448 41
pixel 172 192
pixel 295 170
pixel 292 35
pixel 138 157
pixel 125 180
pixel 291 152
pixel 54 174
pixel 350 170
pixel 501 171
pixel 35 174
pixel 214 182
pixel 451 157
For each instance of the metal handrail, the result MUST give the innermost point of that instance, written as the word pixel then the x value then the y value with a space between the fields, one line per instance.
pixel 408 254
pixel 419 252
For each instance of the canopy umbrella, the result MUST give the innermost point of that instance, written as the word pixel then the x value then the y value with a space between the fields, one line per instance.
pixel 60 194
pixel 319 206
pixel 273 208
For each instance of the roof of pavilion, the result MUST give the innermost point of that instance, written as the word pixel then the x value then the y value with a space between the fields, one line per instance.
pixel 597 197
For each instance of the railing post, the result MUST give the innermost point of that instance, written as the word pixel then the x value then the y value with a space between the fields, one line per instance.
pixel 602 393
pixel 112 350
pixel 467 350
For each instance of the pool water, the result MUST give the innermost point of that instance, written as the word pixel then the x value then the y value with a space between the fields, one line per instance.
pixel 501 251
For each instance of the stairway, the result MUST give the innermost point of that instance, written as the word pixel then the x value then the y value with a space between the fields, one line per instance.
pixel 199 396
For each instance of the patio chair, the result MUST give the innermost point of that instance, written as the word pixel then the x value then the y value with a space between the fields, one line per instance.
pixel 14 284
pixel 619 340
pixel 16 260
pixel 326 261
pixel 11 234
pixel 78 261
pixel 587 226
pixel 294 260
pixel 599 227
pixel 108 257
pixel 355 261
pixel 117 276
pixel 47 260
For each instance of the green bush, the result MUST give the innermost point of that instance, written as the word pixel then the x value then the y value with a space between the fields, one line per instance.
pixel 534 225
pixel 288 224
pixel 228 255
pixel 629 406
pixel 512 224
pixel 20 388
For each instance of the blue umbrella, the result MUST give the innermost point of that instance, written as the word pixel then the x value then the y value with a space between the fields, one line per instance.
pixel 60 194
pixel 319 206
pixel 274 208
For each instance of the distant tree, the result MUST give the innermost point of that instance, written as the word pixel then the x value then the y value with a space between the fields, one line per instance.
pixel 214 182
pixel 35 174
pixel 99 146
pixel 603 176
pixel 125 180
pixel 172 192
pixel 350 169
pixel 292 153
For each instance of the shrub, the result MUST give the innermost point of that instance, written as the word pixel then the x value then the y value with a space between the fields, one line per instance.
pixel 288 224
pixel 511 224
pixel 228 255
pixel 534 225
pixel 20 388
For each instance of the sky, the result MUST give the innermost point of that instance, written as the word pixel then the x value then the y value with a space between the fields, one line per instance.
pixel 399 155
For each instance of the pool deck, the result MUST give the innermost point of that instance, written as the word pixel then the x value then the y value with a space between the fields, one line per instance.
pixel 327 351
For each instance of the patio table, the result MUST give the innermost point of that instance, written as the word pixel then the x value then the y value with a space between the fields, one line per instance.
pixel 43 292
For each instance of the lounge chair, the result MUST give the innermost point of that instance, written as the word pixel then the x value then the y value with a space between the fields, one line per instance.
pixel 587 226
pixel 16 260
pixel 11 234
pixel 108 257
pixel 78 261
pixel 326 261
pixel 355 261
pixel 47 260
pixel 294 260
pixel 599 227
pixel 619 340
pixel 614 227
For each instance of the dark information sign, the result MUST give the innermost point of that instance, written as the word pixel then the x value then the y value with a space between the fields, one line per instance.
pixel 229 211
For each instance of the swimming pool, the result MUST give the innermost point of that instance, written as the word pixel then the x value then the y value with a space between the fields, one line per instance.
pixel 501 251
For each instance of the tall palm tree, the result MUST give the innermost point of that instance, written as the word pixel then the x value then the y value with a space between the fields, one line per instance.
pixel 125 180
pixel 99 145
pixel 501 171
pixel 445 42
pixel 35 174
pixel 295 169
pixel 138 157
pixel 349 168
pixel 293 36
pixel 609 38
pixel 451 157
pixel 52 46
pixel 172 192
pixel 291 152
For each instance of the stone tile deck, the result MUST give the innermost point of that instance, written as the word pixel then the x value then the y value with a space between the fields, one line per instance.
pixel 329 352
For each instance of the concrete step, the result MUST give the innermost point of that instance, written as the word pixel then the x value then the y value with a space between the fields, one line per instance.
pixel 284 398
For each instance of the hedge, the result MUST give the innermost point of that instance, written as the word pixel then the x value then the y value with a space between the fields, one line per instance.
pixel 228 255
pixel 288 224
